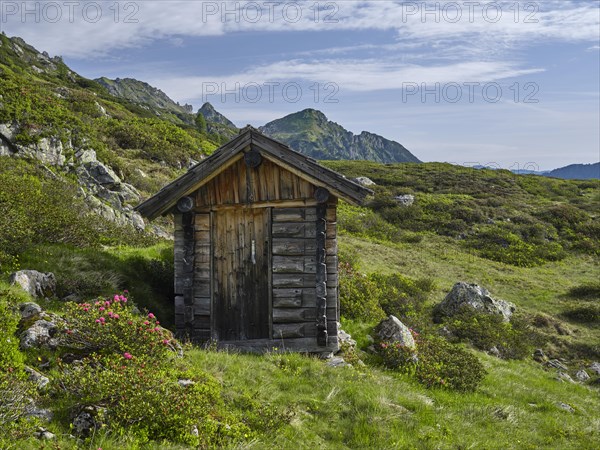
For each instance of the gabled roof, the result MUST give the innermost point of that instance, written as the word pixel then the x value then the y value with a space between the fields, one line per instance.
pixel 165 199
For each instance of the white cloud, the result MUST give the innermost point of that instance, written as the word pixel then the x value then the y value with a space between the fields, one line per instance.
pixel 348 75
pixel 81 33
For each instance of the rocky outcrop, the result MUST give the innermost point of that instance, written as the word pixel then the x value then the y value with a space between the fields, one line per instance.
pixel 392 330
pixel 465 295
pixel 48 150
pixel 35 283
pixel 104 192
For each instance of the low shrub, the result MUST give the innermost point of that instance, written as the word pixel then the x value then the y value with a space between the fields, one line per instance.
pixel 401 296
pixel 504 244
pixel 359 295
pixel 396 356
pixel 514 340
pixel 586 291
pixel 442 364
pixel 583 314
pixel 113 326
pixel 375 296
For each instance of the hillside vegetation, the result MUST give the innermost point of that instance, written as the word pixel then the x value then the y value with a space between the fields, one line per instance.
pixel 283 400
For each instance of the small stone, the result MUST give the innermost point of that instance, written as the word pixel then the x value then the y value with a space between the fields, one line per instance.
pixel 88 420
pixel 345 338
pixel 337 361
pixel 364 181
pixel 539 356
pixel 595 367
pixel 565 407
pixel 565 377
pixel 494 352
pixel 557 364
pixel 34 376
pixel 405 200
pixel 71 298
pixel 44 434
pixel 582 375
pixel 29 310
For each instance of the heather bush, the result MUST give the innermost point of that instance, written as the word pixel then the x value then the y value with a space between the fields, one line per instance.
pixel 586 291
pixel 375 296
pixel 514 340
pixel 396 356
pixel 129 365
pixel 442 364
pixel 113 326
pixel 583 314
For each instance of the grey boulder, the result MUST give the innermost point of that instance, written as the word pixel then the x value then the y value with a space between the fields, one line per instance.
pixel 37 284
pixel 41 333
pixel 392 330
pixel 467 295
pixel 29 310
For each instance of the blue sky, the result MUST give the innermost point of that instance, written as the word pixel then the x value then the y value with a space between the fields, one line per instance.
pixel 510 83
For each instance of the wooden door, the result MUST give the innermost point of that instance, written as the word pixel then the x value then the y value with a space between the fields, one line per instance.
pixel 241 274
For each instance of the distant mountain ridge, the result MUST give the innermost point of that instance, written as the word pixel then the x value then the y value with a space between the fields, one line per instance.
pixel 576 172
pixel 143 93
pixel 311 133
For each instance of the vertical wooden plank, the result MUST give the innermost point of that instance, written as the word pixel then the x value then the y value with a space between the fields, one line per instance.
pixel 213 329
pixel 269 252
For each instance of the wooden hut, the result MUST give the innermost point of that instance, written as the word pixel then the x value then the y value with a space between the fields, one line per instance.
pixel 256 246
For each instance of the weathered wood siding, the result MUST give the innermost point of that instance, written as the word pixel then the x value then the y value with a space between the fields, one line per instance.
pixel 239 184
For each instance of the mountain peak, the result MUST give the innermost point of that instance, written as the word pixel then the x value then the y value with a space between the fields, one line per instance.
pixel 310 132
pixel 212 115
